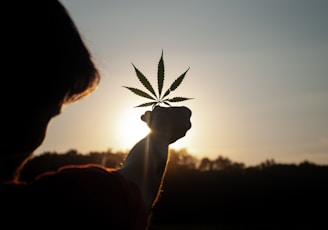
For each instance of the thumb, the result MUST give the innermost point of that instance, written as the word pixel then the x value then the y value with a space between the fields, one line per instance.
pixel 146 117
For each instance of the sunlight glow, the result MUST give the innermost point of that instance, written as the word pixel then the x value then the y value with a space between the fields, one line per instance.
pixel 131 129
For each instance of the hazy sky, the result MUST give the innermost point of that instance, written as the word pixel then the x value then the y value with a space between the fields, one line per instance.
pixel 258 73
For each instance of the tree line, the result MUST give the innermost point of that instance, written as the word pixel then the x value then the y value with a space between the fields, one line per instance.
pixel 220 191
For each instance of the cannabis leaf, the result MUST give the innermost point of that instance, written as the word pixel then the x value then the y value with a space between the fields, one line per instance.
pixel 157 99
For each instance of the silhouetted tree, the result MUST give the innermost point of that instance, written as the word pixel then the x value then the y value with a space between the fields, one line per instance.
pixel 181 158
pixel 206 165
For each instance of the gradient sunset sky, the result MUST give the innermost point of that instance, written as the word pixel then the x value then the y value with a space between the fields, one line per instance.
pixel 258 75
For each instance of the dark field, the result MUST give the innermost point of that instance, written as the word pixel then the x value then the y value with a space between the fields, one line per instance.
pixel 223 194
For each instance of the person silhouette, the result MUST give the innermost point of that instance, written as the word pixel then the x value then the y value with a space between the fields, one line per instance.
pixel 49 66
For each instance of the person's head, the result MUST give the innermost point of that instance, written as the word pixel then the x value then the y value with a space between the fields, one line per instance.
pixel 48 65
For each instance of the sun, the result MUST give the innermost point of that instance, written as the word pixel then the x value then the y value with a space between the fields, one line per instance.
pixel 131 128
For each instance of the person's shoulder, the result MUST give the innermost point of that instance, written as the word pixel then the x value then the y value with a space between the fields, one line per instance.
pixel 73 175
pixel 90 181
pixel 94 189
pixel 94 194
pixel 78 169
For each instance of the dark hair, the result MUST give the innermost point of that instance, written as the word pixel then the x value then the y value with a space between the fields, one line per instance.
pixel 45 63
pixel 47 57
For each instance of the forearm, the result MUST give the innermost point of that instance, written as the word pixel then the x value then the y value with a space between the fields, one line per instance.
pixel 145 165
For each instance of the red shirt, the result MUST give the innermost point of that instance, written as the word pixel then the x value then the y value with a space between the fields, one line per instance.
pixel 77 196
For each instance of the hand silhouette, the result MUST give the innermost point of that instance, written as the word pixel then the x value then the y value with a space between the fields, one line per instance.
pixel 170 123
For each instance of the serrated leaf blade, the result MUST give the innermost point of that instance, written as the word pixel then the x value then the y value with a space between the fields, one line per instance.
pixel 166 103
pixel 178 81
pixel 147 104
pixel 142 78
pixel 160 75
pixel 166 93
pixel 178 99
pixel 139 92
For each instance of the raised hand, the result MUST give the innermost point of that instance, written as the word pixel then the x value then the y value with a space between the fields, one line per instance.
pixel 169 123
pixel 146 162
